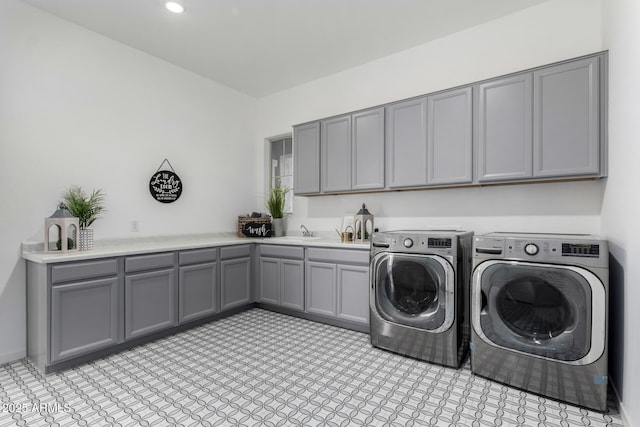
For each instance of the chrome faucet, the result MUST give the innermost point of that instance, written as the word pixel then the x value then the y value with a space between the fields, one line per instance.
pixel 305 231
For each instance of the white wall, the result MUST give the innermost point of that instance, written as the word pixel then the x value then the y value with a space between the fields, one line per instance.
pixel 621 207
pixel 77 108
pixel 549 32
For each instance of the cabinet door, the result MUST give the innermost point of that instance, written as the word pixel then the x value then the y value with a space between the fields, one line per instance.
pixel 353 293
pixel 269 280
pixel 149 302
pixel 367 145
pixel 84 317
pixel 198 291
pixel 567 119
pixel 320 288
pixel 449 137
pixel 292 284
pixel 505 129
pixel 306 158
pixel 335 137
pixel 236 282
pixel 406 143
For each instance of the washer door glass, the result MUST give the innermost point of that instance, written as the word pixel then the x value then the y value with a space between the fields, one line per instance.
pixel 544 311
pixel 414 290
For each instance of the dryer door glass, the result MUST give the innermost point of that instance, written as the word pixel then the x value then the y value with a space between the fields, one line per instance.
pixel 538 310
pixel 415 290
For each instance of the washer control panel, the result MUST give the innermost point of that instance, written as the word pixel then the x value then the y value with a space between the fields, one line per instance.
pixel 440 243
pixel 531 249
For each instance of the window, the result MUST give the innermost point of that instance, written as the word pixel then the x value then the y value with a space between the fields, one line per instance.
pixel 282 167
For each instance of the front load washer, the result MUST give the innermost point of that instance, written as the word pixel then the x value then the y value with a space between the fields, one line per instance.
pixel 539 314
pixel 418 296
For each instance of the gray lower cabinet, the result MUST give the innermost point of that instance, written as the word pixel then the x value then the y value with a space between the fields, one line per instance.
pixel 235 276
pixel 353 293
pixel 198 290
pixel 306 158
pixel 504 130
pixel 73 309
pixel 149 294
pixel 337 284
pixel 281 275
pixel 566 118
pixel 149 302
pixel 320 288
pixel 84 317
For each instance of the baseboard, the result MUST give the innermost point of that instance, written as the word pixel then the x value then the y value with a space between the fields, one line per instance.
pixel 12 357
pixel 623 413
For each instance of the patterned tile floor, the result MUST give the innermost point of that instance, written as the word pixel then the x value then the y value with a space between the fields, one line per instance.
pixel 262 368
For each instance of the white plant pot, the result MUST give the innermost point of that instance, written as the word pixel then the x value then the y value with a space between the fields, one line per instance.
pixel 277 227
pixel 85 237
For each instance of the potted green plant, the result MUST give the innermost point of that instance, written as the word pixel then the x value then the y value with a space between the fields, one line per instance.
pixel 275 206
pixel 87 207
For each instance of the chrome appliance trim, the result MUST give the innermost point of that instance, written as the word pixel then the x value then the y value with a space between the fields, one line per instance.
pixel 598 309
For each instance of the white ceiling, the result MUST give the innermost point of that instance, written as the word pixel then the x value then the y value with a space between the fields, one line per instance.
pixel 263 46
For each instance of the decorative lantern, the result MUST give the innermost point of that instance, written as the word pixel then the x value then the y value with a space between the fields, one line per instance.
pixel 363 224
pixel 65 227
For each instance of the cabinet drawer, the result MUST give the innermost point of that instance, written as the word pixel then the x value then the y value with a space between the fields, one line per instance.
pixel 148 262
pixel 235 252
pixel 276 251
pixel 84 270
pixel 199 256
pixel 339 256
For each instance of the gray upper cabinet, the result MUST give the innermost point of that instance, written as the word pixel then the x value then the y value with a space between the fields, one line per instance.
pixel 352 154
pixel 306 158
pixel 450 137
pixel 335 157
pixel 504 130
pixel 406 143
pixel 367 150
pixel 84 317
pixel 545 123
pixel 566 133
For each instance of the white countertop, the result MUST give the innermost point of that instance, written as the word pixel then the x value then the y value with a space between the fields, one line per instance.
pixel 121 247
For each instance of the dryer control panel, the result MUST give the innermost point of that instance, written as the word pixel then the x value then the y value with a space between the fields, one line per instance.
pixel 557 249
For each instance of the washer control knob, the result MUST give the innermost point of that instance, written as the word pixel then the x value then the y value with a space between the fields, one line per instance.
pixel 531 248
pixel 407 243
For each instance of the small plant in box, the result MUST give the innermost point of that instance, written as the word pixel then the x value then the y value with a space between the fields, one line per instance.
pixel 87 207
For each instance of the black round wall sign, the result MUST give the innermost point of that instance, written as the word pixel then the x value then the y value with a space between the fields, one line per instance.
pixel 165 186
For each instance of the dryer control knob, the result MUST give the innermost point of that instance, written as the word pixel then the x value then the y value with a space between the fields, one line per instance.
pixel 407 243
pixel 531 248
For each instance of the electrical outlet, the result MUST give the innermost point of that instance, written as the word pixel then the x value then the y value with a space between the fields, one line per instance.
pixel 135 226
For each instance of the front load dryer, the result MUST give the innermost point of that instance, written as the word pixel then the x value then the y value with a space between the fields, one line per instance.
pixel 539 314
pixel 418 295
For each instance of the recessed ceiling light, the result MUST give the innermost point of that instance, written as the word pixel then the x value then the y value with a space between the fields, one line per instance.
pixel 174 7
